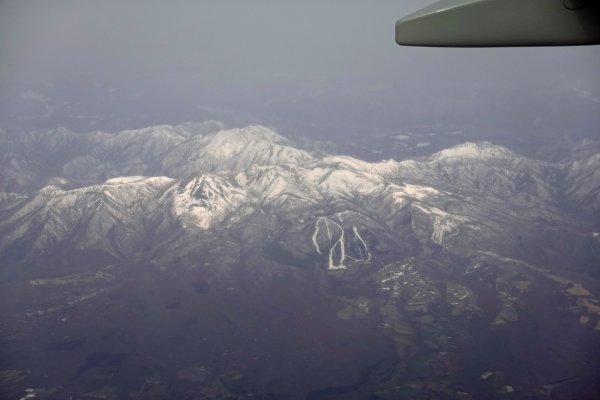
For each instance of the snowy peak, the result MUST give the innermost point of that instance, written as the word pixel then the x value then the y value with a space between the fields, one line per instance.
pixel 232 150
pixel 153 181
pixel 207 188
pixel 248 135
pixel 473 151
pixel 165 133
pixel 207 200
pixel 253 145
pixel 354 164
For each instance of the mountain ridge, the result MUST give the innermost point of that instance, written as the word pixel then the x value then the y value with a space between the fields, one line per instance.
pixel 468 193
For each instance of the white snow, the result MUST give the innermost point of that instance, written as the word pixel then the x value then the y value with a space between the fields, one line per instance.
pixel 486 375
pixel 359 166
pixel 278 185
pixel 444 225
pixel 206 200
pixel 337 251
pixel 252 145
pixel 124 180
pixel 346 182
pixel 469 150
pixel 417 191
pixel 57 181
pixel 336 240
pixel 357 234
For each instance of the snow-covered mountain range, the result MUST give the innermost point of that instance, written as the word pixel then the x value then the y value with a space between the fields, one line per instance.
pixel 469 195
pixel 430 258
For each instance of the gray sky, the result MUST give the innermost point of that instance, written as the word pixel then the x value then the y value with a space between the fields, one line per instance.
pixel 216 38
pixel 328 61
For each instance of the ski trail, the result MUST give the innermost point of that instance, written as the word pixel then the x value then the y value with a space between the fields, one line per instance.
pixel 336 256
pixel 369 256
pixel 342 245
pixel 328 231
pixel 314 236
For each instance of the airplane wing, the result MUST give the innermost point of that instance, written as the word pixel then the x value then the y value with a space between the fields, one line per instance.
pixel 502 23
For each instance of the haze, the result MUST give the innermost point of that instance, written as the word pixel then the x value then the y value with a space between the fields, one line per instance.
pixel 272 200
pixel 326 68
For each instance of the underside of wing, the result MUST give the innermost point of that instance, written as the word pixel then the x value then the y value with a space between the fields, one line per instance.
pixel 502 23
